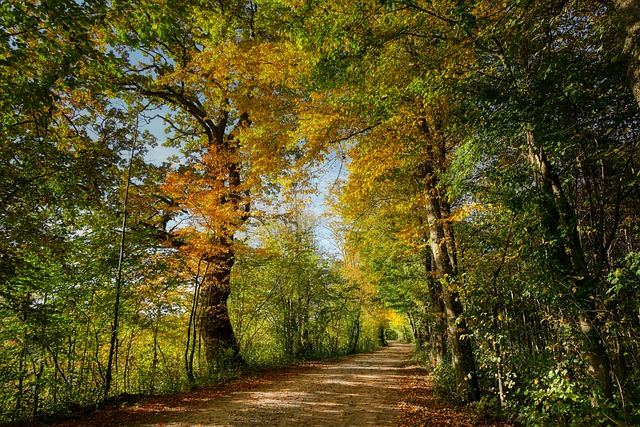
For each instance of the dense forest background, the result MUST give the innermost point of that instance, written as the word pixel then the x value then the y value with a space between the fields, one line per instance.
pixel 486 206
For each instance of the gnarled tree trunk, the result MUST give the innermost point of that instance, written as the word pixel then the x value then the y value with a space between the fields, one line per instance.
pixel 220 342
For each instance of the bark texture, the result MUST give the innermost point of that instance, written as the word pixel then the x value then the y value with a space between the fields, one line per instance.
pixel 629 13
pixel 443 255
pixel 220 342
pixel 461 349
pixel 439 336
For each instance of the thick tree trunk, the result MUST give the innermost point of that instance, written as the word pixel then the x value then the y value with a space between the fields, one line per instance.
pixel 629 12
pixel 439 339
pixel 461 349
pixel 562 224
pixel 219 339
pixel 221 167
pixel 443 258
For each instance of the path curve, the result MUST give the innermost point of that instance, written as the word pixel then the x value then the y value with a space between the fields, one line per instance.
pixel 362 390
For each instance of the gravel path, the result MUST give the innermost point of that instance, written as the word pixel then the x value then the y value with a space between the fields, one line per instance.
pixel 361 390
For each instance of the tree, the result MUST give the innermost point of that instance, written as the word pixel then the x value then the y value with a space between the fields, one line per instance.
pixel 559 112
pixel 224 77
pixel 60 163
pixel 393 71
pixel 293 302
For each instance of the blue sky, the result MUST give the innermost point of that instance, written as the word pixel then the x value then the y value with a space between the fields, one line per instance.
pixel 325 178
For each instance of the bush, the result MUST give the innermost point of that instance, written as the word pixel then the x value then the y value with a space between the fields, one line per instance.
pixel 444 382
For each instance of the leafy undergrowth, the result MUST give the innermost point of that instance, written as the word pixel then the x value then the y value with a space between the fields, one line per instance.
pixel 420 407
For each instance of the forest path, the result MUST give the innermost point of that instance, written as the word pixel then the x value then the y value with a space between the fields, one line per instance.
pixel 361 390
pixel 382 388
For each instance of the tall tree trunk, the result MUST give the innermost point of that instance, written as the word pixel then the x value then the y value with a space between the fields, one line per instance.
pixel 443 256
pixel 629 13
pixel 498 354
pixel 461 349
pixel 116 306
pixel 561 223
pixel 217 333
pixel 221 167
pixel 439 339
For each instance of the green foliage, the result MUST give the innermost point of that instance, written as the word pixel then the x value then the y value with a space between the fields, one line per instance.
pixel 623 280
pixel 556 398
pixel 528 103
pixel 291 303
pixel 444 383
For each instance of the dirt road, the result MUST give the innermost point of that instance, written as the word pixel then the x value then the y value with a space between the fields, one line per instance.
pixel 362 390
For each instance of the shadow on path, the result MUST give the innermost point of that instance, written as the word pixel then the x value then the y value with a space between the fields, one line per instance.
pixel 362 390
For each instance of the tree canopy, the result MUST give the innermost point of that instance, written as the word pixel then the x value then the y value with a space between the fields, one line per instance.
pixel 487 207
